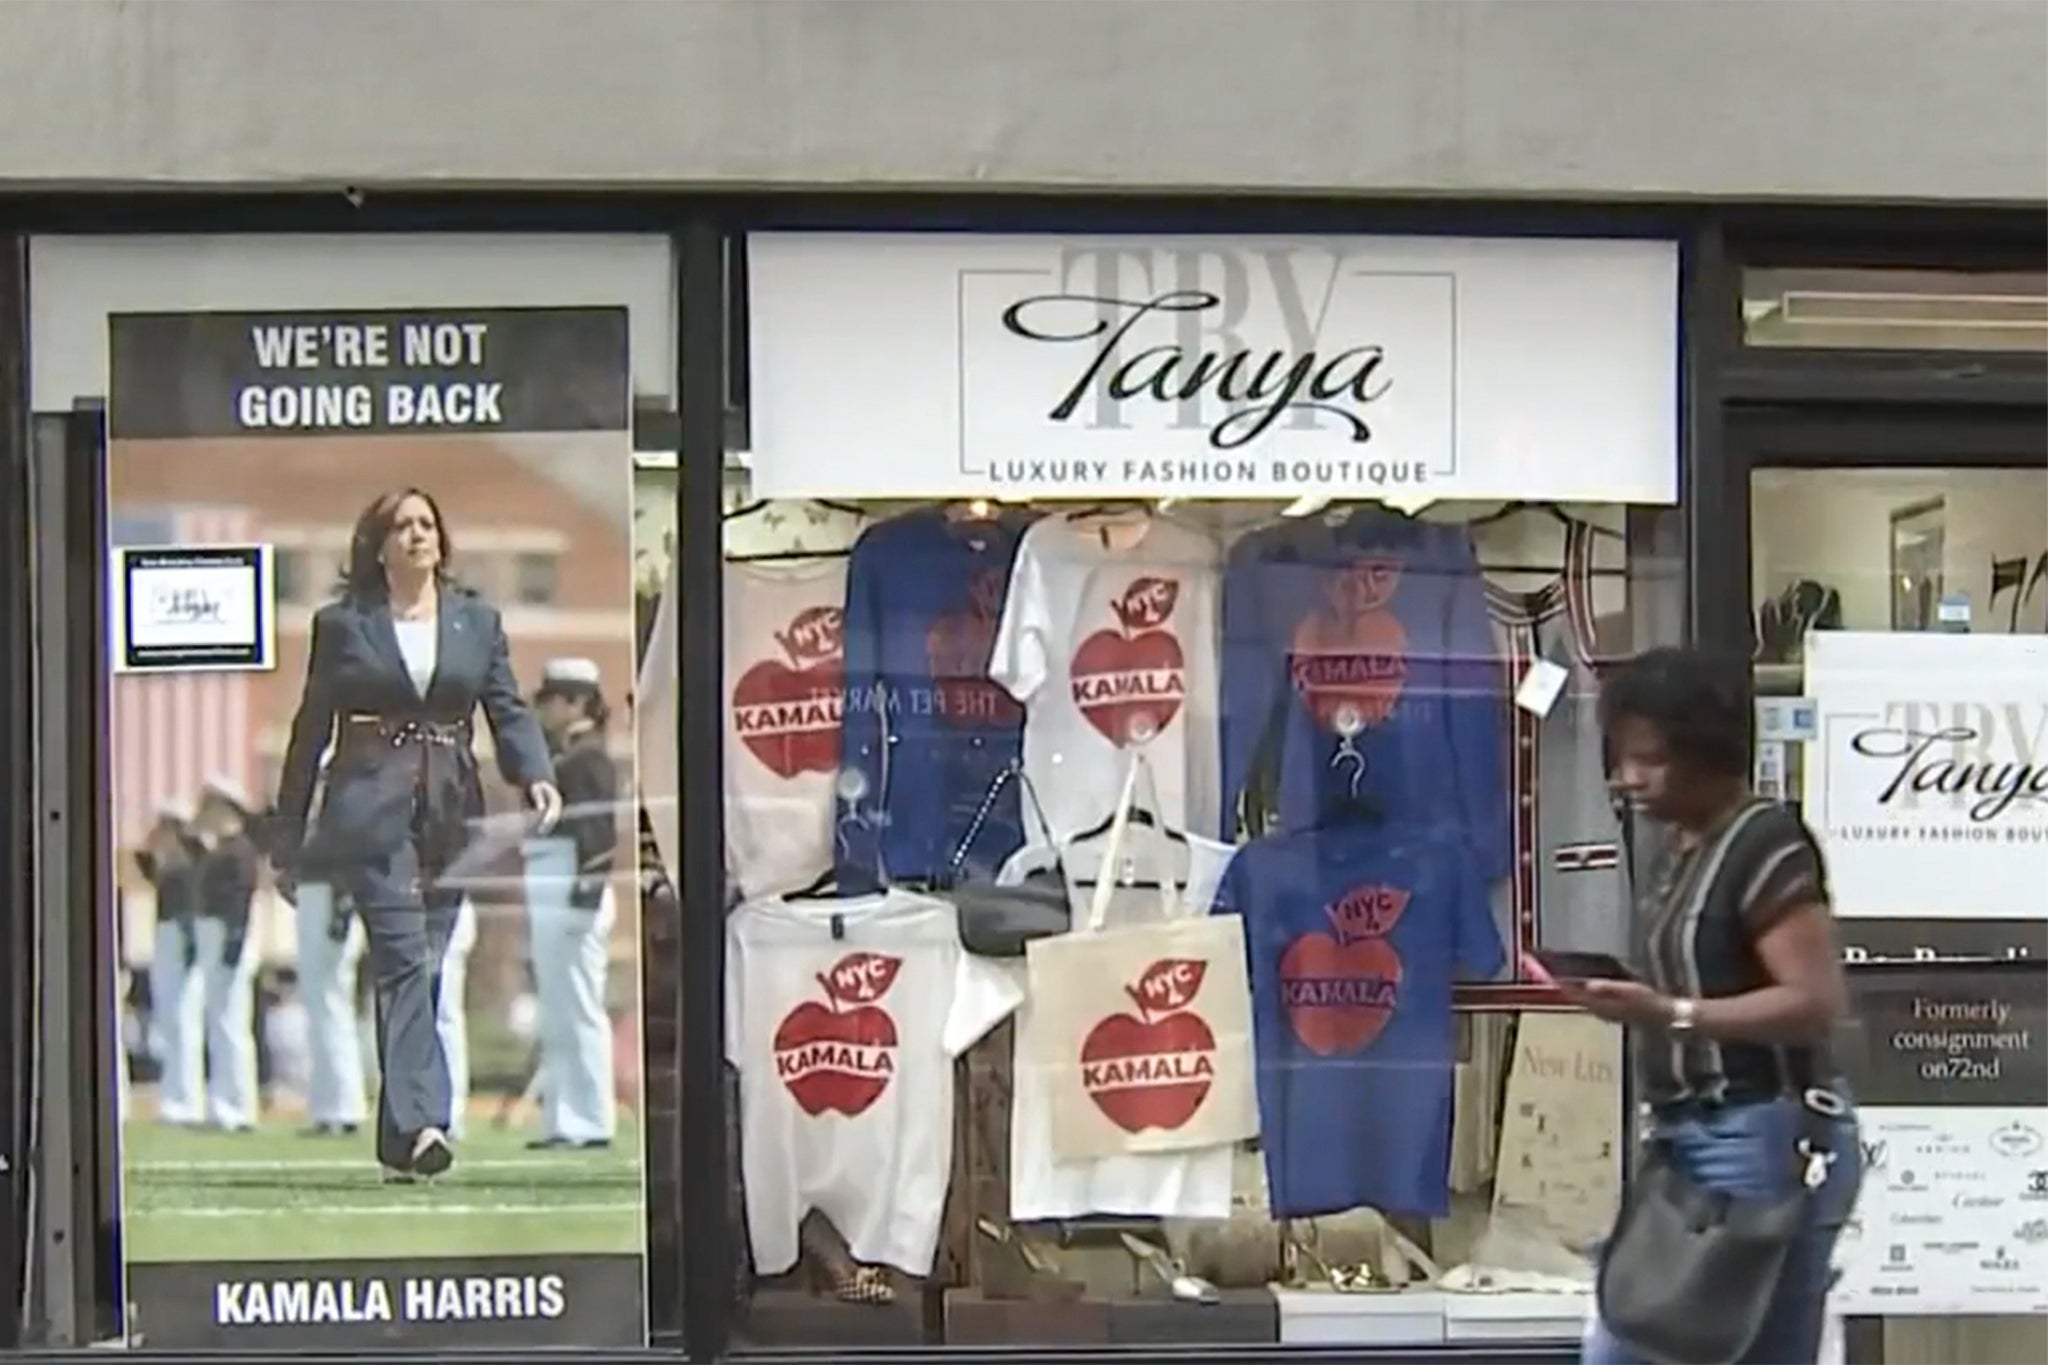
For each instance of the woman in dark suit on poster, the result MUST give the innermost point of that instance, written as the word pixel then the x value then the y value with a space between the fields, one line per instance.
pixel 399 665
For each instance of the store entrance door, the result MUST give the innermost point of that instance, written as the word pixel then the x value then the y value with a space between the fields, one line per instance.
pixel 1891 523
pixel 1890 577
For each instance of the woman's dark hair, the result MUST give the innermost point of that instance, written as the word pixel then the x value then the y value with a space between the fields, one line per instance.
pixel 362 577
pixel 1702 704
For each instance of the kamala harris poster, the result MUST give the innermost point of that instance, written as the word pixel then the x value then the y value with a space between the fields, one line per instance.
pixel 372 785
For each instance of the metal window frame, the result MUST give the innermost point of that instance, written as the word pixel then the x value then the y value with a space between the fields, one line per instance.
pixel 1726 392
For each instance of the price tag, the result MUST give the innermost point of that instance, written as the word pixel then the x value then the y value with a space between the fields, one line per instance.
pixel 1541 686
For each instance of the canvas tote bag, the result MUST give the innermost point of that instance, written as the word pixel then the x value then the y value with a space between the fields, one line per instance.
pixel 1143 1036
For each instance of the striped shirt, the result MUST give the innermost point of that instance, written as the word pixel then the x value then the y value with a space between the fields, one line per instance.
pixel 1705 909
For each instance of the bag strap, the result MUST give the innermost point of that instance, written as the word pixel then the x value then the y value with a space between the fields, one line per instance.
pixel 1012 771
pixel 1098 904
pixel 1112 851
pixel 1162 870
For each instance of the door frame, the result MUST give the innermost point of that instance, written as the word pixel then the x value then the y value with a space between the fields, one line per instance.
pixel 1844 436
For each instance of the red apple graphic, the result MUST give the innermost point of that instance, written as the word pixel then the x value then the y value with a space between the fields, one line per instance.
pixel 958 646
pixel 1340 989
pixel 1129 682
pixel 1154 1068
pixel 1349 659
pixel 788 714
pixel 840 1055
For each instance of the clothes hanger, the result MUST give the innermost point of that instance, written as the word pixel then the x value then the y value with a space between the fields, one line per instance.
pixel 1352 806
pixel 1563 518
pixel 759 504
pixel 1116 507
pixel 1139 816
pixel 823 889
pixel 787 556
pixel 973 511
pixel 1548 509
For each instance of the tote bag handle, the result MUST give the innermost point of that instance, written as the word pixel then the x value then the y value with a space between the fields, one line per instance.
pixel 1112 852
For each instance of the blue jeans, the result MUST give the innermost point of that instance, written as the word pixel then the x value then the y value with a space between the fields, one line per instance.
pixel 1747 1151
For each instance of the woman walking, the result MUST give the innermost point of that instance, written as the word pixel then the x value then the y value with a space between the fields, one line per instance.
pixel 399 665
pixel 1740 986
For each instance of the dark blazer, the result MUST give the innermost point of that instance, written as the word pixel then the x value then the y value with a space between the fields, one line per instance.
pixel 367 810
pixel 177 889
pixel 590 813
pixel 227 888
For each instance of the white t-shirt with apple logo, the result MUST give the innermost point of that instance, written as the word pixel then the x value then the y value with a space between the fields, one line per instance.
pixel 844 1018
pixel 785 670
pixel 1109 638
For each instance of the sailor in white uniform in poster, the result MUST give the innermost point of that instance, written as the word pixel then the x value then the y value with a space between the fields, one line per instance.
pixel 330 964
pixel 451 1015
pixel 570 903
pixel 177 1018
pixel 227 955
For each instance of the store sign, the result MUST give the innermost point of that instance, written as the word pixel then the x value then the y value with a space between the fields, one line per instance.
pixel 1952 1074
pixel 194 608
pixel 1928 784
pixel 940 365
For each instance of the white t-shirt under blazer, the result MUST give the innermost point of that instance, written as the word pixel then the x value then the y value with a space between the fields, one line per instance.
pixel 1109 639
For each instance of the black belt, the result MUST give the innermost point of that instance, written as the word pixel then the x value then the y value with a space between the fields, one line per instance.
pixel 366 728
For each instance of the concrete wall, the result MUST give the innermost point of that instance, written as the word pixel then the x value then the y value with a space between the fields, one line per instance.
pixel 1817 99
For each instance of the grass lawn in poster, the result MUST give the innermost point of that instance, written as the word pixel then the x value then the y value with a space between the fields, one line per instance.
pixel 339 872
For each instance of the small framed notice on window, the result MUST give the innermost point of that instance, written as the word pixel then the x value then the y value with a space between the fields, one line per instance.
pixel 210 608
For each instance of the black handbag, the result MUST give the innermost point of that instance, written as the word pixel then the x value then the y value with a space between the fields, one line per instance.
pixel 997 921
pixel 1689 1273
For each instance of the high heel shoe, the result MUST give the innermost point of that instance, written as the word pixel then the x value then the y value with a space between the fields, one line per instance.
pixel 1011 1268
pixel 1181 1285
pixel 849 1281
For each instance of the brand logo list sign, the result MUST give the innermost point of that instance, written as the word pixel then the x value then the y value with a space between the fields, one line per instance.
pixel 1929 782
pixel 1946 1223
pixel 1212 367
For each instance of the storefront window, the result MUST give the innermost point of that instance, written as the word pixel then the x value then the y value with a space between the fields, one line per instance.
pixel 1902 669
pixel 369 771
pixel 1159 691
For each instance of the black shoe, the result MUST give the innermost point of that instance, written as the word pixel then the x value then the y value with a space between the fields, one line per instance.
pixel 562 1144
pixel 431 1154
pixel 325 1130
